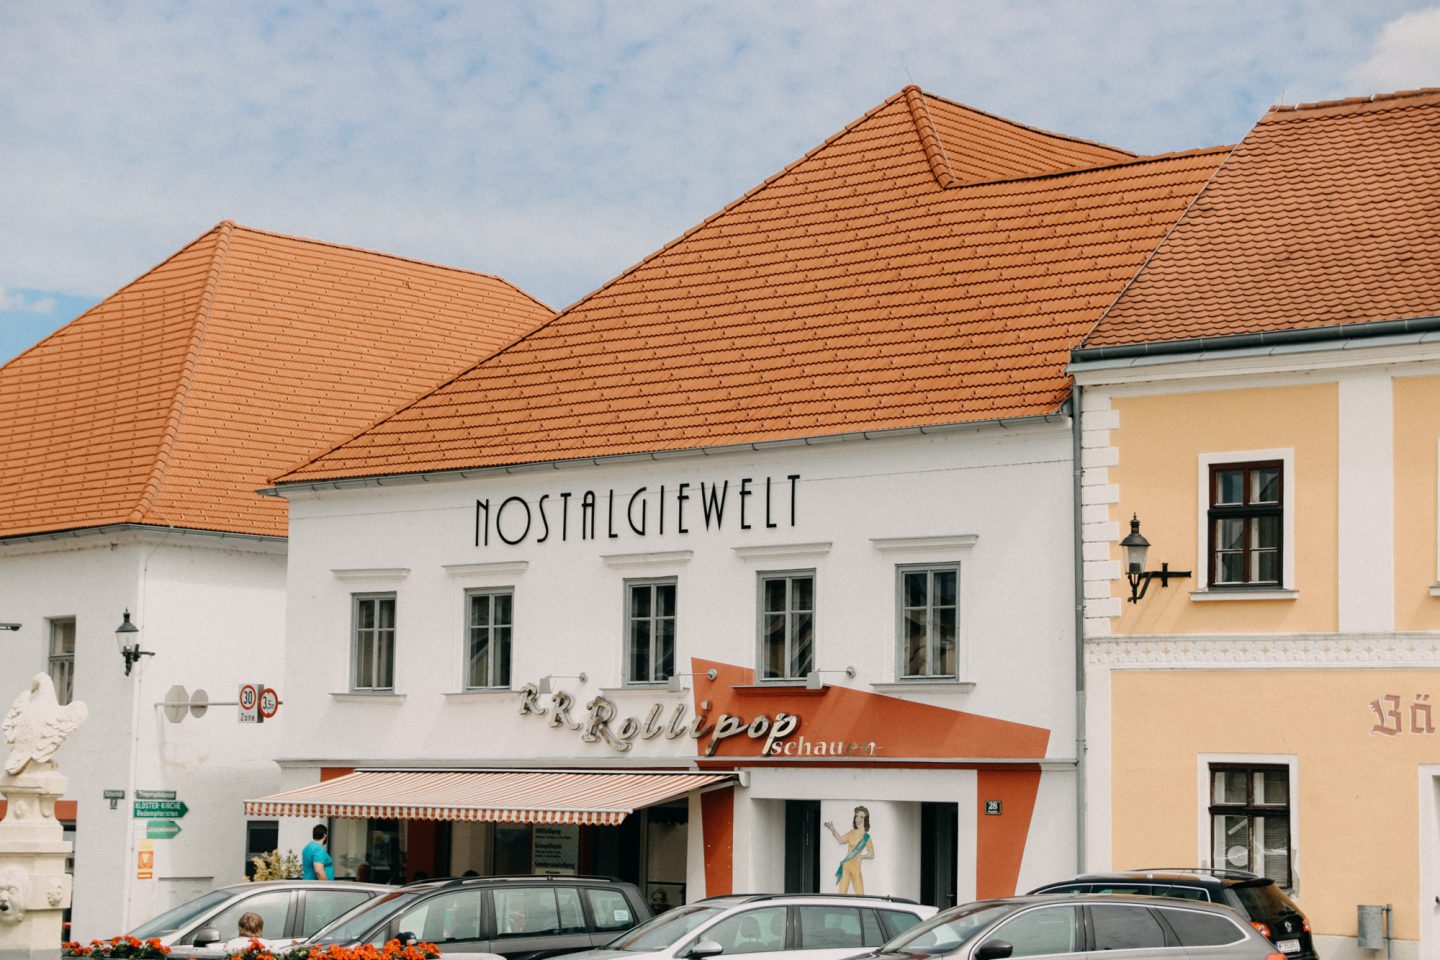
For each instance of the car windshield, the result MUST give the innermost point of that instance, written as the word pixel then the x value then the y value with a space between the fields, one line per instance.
pixel 1260 900
pixel 352 927
pixel 669 928
pixel 178 917
pixel 946 931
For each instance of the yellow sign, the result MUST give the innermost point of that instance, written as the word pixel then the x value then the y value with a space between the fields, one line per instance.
pixel 145 861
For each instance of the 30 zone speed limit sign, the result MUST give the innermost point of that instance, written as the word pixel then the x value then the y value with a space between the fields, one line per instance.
pixel 249 697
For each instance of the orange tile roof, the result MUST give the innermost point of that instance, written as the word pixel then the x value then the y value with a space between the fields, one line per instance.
pixel 171 401
pixel 851 291
pixel 1325 215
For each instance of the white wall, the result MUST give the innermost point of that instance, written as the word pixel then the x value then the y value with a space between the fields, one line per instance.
pixel 212 610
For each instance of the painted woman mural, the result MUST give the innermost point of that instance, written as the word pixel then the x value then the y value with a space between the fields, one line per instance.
pixel 861 847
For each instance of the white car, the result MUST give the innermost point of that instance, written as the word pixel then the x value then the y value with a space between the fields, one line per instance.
pixel 765 927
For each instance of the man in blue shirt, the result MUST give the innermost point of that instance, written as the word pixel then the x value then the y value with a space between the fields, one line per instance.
pixel 315 862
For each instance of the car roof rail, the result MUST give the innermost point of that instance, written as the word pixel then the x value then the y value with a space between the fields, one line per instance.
pixel 1224 873
pixel 521 878
pixel 756 897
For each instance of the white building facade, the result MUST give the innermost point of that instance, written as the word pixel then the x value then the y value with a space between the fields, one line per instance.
pixel 934 567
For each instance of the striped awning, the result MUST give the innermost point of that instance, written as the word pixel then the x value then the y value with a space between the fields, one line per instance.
pixel 598 799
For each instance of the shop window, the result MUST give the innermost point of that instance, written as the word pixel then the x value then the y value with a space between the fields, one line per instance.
pixel 929 612
pixel 649 630
pixel 787 625
pixel 1246 524
pixel 62 657
pixel 373 646
pixel 261 837
pixel 1250 819
pixel 487 642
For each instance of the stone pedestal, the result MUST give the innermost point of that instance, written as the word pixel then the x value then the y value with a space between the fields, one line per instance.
pixel 34 888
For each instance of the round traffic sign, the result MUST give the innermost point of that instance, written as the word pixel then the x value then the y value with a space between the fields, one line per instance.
pixel 248 693
pixel 269 703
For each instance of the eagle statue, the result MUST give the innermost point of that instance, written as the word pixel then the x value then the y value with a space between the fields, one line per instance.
pixel 37 724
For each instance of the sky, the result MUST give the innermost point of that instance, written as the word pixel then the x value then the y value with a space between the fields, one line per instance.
pixel 557 143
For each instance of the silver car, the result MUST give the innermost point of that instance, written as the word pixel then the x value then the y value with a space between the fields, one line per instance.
pixel 1115 926
pixel 766 927
pixel 292 910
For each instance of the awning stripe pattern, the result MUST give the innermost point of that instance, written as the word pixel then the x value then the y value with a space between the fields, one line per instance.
pixel 595 799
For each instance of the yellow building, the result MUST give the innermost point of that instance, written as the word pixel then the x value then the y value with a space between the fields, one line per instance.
pixel 1264 399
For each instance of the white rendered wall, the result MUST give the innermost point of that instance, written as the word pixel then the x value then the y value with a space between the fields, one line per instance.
pixel 212 610
pixel 1008 489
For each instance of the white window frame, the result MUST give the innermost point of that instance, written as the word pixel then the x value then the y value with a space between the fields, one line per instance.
pixel 788 576
pixel 493 659
pixel 901 569
pixel 356 599
pixel 62 662
pixel 1290 509
pixel 1203 827
pixel 625 646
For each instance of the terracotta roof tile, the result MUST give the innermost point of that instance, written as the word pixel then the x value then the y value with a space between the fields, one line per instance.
pixel 1326 214
pixel 171 401
pixel 852 291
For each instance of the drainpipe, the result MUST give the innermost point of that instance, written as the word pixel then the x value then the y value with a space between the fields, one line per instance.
pixel 1077 471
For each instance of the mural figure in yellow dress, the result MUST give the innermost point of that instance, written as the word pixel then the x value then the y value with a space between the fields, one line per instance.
pixel 861 847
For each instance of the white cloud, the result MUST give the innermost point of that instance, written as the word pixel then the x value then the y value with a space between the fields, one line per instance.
pixel 556 143
pixel 1407 56
pixel 18 302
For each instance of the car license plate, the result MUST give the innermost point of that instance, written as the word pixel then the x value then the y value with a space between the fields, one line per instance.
pixel 1288 946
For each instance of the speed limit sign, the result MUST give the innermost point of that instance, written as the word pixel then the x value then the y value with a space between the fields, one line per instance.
pixel 249 697
pixel 269 703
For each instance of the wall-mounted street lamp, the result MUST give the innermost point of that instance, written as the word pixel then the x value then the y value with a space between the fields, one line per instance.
pixel 9 626
pixel 546 686
pixel 127 635
pixel 1136 548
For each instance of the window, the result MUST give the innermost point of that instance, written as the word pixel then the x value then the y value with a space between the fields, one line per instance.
pixel 261 837
pixel 929 609
pixel 529 911
pixel 446 918
pixel 62 657
pixel 373 667
pixel 755 931
pixel 1250 819
pixel 1039 933
pixel 787 625
pixel 273 906
pixel 1129 927
pixel 610 908
pixel 649 631
pixel 487 644
pixel 319 907
pixel 1246 523
pixel 830 927
pixel 1195 929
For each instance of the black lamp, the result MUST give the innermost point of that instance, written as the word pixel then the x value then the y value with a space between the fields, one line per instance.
pixel 1136 548
pixel 127 635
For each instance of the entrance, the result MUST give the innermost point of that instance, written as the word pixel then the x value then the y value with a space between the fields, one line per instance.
pixel 939 828
pixel 802 846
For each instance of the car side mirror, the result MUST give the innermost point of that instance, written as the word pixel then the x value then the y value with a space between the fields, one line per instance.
pixel 406 938
pixel 207 937
pixel 993 950
pixel 705 948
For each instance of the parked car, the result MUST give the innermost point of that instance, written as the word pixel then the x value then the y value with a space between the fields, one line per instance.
pixel 765 926
pixel 292 910
pixel 1085 925
pixel 1258 899
pixel 520 918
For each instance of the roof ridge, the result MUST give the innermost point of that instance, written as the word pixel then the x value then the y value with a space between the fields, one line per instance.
pixel 1281 108
pixel 1026 126
pixel 390 256
pixel 113 294
pixel 929 138
pixel 1130 281
pixel 176 415
pixel 1072 171
pixel 606 285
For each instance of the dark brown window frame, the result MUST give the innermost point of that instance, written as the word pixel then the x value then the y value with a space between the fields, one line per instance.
pixel 1250 809
pixel 1249 512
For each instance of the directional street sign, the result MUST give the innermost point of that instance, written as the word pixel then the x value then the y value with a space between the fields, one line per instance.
pixel 151 809
pixel 161 829
pixel 151 794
